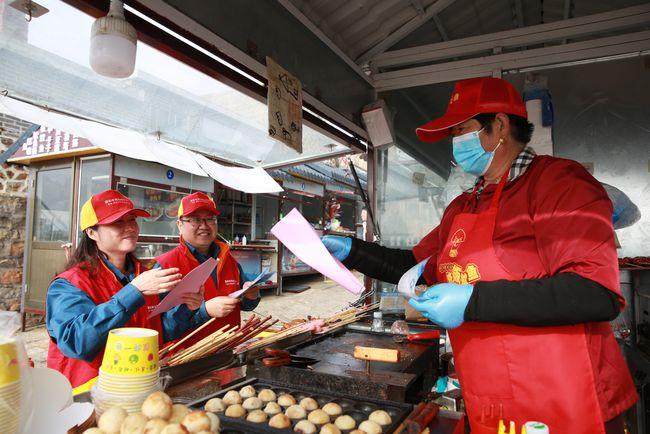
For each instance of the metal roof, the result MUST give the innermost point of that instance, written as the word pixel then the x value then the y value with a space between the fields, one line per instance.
pixel 322 173
pixel 356 26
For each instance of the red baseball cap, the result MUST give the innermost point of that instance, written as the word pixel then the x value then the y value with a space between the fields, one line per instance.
pixel 107 207
pixel 196 201
pixel 472 97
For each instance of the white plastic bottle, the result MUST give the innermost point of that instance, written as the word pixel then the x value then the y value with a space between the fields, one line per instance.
pixel 243 240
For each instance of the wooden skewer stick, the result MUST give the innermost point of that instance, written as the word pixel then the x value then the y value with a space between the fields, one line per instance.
pixel 252 334
pixel 197 352
pixel 168 349
pixel 203 343
pixel 278 336
pixel 243 336
pixel 208 340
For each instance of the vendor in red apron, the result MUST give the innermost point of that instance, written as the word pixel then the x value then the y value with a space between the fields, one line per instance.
pixel 523 273
pixel 105 287
pixel 197 224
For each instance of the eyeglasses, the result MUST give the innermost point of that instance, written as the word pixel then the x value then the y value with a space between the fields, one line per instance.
pixel 196 222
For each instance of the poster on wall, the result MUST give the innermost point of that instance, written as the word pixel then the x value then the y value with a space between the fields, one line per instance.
pixel 285 106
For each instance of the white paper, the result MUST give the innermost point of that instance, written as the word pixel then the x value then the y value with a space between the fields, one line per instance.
pixel 409 280
pixel 264 276
pixel 254 180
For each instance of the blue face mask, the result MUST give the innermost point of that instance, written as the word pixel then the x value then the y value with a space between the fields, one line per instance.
pixel 470 155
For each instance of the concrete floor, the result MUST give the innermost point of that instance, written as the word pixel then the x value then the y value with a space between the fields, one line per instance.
pixel 323 298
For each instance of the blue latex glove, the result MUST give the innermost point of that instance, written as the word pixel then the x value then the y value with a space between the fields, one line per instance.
pixel 444 304
pixel 338 246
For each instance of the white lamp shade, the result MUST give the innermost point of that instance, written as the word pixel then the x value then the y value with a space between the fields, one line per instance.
pixel 113 42
pixel 112 55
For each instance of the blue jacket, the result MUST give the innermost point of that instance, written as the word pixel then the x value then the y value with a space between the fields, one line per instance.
pixel 80 327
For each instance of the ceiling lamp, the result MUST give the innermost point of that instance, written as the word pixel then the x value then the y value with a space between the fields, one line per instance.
pixel 113 44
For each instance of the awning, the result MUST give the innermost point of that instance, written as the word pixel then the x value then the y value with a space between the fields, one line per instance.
pixel 45 62
pixel 138 146
pixel 336 180
pixel 341 175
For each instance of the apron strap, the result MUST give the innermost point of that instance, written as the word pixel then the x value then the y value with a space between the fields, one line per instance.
pixel 497 194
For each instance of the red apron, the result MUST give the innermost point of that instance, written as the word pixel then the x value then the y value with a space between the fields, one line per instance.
pixel 511 372
pixel 227 282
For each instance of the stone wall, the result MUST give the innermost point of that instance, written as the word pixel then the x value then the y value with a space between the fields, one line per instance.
pixel 13 204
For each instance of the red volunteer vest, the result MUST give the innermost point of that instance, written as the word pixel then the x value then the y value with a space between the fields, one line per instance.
pixel 100 287
pixel 573 378
pixel 227 278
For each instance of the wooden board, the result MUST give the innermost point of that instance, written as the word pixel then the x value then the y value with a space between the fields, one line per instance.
pixel 376 354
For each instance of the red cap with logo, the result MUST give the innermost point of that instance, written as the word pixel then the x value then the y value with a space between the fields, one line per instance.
pixel 470 98
pixel 107 207
pixel 195 202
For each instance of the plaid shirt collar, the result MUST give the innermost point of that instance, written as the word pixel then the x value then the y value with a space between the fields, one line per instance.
pixel 518 168
pixel 521 163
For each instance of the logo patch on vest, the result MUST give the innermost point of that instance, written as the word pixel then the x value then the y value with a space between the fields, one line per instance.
pixel 456 240
pixel 457 274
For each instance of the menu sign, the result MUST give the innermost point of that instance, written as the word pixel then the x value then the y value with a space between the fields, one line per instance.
pixel 49 141
pixel 285 106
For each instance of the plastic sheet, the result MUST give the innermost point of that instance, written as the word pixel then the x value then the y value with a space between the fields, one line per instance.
pixel 15 376
pixel 400 327
pixel 626 213
pixel 103 400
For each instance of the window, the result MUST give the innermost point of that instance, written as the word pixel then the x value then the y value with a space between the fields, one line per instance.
pixel 312 210
pixel 52 205
pixel 161 204
pixel 347 215
pixel 266 216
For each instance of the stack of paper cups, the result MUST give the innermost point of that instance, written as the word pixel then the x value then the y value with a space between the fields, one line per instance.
pixel 536 428
pixel 129 370
pixel 9 387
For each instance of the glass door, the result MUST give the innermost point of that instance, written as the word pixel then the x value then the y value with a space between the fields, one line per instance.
pixel 50 229
pixel 94 177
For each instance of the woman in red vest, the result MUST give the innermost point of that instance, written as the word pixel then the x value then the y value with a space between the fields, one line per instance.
pixel 523 274
pixel 106 287
pixel 197 224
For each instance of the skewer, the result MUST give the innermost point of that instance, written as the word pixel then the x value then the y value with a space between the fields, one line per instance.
pixel 241 337
pixel 299 328
pixel 252 334
pixel 235 337
pixel 168 349
pixel 222 340
pixel 205 342
pixel 199 351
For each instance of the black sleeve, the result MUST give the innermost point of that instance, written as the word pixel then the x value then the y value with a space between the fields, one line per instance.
pixel 379 262
pixel 564 299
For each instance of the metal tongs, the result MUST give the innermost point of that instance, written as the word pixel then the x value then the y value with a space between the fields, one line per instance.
pixel 415 337
pixel 282 357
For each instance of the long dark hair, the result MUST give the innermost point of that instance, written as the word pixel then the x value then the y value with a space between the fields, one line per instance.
pixel 87 255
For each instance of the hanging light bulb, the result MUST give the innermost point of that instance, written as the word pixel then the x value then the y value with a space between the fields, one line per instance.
pixel 113 44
